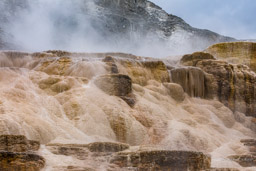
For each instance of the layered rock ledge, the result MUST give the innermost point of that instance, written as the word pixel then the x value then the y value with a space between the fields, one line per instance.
pixel 19 154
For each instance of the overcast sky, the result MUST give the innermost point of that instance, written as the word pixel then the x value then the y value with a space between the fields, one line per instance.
pixel 235 18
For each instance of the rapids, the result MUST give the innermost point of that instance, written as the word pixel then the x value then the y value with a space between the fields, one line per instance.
pixel 51 97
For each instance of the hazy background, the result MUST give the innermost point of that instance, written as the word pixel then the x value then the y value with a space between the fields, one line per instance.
pixel 235 18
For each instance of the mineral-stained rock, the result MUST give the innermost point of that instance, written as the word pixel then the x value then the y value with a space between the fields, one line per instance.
pixel 233 85
pixel 83 149
pixel 115 84
pixel 142 71
pixel 79 151
pixel 249 159
pixel 249 142
pixel 107 147
pixel 17 143
pixel 111 64
pixel 163 160
pixel 117 156
pixel 191 79
pixel 222 169
pixel 72 168
pixel 10 161
pixel 16 154
pixel 235 52
pixel 176 91
pixel 192 59
pixel 244 160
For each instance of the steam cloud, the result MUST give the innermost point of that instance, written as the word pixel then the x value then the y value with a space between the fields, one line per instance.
pixel 64 25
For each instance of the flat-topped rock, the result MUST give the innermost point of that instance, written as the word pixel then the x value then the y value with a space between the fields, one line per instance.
pixel 192 59
pixel 249 142
pixel 81 151
pixel 235 52
pixel 162 160
pixel 71 168
pixel 17 143
pixel 222 169
pixel 141 71
pixel 107 147
pixel 244 160
pixel 10 161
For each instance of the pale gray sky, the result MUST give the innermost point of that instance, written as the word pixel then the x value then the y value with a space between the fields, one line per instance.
pixel 235 18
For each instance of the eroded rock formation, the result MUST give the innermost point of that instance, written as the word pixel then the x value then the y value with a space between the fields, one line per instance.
pixel 91 110
pixel 232 84
pixel 18 154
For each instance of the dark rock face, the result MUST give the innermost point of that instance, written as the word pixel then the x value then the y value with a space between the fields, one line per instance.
pixel 17 154
pixel 136 22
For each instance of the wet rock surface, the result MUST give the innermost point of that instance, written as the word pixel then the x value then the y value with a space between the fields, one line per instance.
pixel 18 154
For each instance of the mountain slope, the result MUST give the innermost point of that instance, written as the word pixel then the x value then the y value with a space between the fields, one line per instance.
pixel 137 26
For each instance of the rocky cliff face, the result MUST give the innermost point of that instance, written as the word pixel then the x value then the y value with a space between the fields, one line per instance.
pixel 134 26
